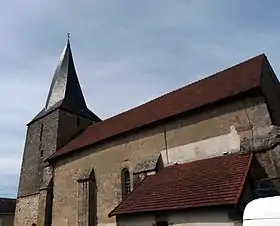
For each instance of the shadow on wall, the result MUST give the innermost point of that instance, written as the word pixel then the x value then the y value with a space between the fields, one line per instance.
pixel 264 185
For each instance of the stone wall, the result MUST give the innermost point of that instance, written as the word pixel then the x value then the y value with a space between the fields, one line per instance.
pixel 108 159
pixel 69 126
pixel 265 144
pixel 40 142
pixel 26 212
pixel 43 137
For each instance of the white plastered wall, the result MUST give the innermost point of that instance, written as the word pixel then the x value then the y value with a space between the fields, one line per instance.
pixel 211 147
pixel 189 218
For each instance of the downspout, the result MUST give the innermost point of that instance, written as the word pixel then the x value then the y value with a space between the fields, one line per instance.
pixel 165 144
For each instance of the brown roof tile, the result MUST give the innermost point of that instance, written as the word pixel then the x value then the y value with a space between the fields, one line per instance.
pixel 209 182
pixel 227 83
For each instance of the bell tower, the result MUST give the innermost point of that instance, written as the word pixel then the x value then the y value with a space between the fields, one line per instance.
pixel 64 115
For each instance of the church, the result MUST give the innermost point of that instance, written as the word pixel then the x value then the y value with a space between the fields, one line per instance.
pixel 194 156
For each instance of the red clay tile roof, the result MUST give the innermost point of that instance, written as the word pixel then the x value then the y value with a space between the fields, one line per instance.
pixel 235 80
pixel 209 182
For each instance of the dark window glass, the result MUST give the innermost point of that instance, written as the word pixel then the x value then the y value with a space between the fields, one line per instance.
pixel 41 131
pixel 42 153
pixel 126 187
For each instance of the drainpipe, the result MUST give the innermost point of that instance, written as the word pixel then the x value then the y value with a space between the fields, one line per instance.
pixel 165 143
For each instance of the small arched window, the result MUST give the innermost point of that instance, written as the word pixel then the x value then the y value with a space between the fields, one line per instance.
pixel 126 187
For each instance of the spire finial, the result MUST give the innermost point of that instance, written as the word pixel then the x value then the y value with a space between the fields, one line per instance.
pixel 68 35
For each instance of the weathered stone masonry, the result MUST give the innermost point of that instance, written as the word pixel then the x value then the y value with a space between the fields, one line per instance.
pixel 48 131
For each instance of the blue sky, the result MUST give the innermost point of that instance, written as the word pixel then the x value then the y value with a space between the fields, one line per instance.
pixel 126 53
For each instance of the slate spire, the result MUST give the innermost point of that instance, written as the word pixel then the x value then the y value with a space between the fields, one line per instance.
pixel 65 84
pixel 65 90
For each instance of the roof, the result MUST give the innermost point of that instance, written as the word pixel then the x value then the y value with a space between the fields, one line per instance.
pixel 263 208
pixel 65 91
pixel 209 182
pixel 7 206
pixel 235 80
pixel 67 105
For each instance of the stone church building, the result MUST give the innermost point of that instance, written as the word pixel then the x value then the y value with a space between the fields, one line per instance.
pixel 194 156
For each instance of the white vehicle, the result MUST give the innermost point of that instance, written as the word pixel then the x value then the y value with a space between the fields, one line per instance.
pixel 262 212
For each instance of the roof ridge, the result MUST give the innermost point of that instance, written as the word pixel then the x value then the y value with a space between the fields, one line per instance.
pixel 189 84
pixel 243 77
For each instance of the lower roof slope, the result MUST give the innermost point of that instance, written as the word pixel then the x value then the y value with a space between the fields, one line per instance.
pixel 227 83
pixel 209 182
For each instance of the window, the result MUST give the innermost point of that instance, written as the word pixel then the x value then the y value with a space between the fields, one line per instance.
pixel 41 136
pixel 41 131
pixel 126 188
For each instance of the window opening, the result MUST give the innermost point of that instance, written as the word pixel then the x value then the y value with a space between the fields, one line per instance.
pixel 126 187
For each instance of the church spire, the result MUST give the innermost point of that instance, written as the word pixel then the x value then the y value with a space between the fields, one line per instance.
pixel 65 90
pixel 65 84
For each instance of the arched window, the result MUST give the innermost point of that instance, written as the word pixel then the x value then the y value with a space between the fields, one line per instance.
pixel 126 187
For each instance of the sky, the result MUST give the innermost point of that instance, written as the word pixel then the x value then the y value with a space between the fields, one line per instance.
pixel 126 52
